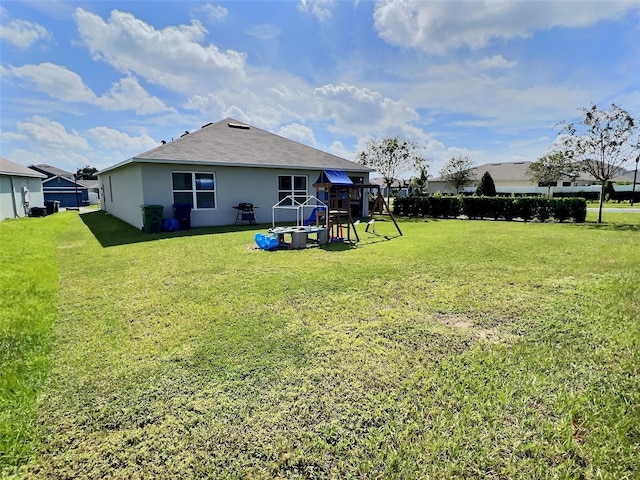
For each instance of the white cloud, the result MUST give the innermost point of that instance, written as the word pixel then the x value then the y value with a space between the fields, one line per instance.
pixel 338 149
pixel 49 142
pixel 127 94
pixel 60 83
pixel 23 34
pixel 172 57
pixel 496 62
pixel 439 26
pixel 27 157
pixel 264 32
pixel 13 137
pixel 299 133
pixel 214 13
pixel 115 139
pixel 55 81
pixel 321 9
pixel 354 110
pixel 51 134
pixel 267 101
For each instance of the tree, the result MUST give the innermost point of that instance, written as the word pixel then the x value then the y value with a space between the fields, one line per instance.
pixel 87 173
pixel 457 171
pixel 601 145
pixel 419 183
pixel 487 186
pixel 391 158
pixel 550 168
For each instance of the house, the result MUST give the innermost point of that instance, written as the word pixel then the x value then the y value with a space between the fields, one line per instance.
pixel 512 177
pixel 61 185
pixel 214 169
pixel 20 189
pixel 399 187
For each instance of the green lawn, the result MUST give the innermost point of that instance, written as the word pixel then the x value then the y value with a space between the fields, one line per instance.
pixel 462 349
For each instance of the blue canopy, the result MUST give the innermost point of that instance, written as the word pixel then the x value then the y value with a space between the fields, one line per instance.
pixel 334 177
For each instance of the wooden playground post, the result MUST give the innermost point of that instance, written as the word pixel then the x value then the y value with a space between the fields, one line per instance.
pixel 380 202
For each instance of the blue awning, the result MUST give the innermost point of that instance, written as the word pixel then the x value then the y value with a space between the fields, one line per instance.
pixel 334 177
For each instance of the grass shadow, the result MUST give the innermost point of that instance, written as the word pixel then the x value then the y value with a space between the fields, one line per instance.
pixel 111 231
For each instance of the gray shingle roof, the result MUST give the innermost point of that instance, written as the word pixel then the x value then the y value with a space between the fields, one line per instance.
pixel 232 143
pixel 513 171
pixel 7 167
pixel 505 171
pixel 50 171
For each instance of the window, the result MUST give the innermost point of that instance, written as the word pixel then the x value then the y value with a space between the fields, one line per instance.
pixel 194 189
pixel 295 185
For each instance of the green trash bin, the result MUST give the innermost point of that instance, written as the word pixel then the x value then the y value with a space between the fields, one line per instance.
pixel 152 218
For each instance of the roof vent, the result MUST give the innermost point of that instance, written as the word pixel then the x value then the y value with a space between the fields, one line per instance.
pixel 239 125
pixel 210 123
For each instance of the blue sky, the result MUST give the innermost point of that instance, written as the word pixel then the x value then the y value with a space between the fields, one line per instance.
pixel 97 82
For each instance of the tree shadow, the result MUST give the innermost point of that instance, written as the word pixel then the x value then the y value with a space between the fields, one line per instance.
pixel 618 227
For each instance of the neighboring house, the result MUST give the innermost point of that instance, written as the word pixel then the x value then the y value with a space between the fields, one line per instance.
pixel 20 189
pixel 62 186
pixel 512 177
pixel 400 188
pixel 216 168
pixel 93 190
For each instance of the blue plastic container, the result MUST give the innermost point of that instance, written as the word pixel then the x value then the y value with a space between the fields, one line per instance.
pixel 266 242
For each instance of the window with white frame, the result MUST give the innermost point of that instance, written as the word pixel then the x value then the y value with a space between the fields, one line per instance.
pixel 295 185
pixel 195 189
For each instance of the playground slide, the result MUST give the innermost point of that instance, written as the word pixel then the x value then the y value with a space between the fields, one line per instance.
pixel 312 218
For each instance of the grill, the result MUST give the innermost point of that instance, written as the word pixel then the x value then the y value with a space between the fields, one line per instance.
pixel 246 213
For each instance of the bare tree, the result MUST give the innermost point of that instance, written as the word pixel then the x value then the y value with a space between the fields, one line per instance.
pixel 457 171
pixel 550 168
pixel 601 144
pixel 391 158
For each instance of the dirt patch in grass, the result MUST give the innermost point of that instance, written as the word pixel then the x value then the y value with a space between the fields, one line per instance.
pixel 464 323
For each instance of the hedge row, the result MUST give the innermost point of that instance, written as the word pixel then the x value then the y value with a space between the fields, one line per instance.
pixel 507 208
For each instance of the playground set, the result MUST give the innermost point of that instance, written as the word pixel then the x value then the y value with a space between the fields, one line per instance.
pixel 327 215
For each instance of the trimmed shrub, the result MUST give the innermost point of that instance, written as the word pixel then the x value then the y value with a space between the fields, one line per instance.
pixel 541 208
pixel 524 208
pixel 487 186
pixel 561 208
pixel 472 207
pixel 527 208
pixel 578 210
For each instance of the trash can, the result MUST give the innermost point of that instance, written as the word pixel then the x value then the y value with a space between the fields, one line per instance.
pixel 38 212
pixel 52 206
pixel 182 212
pixel 152 218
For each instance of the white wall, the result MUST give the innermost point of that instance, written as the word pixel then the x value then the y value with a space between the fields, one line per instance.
pixel 12 199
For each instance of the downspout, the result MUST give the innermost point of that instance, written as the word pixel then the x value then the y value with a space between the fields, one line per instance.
pixel 13 197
